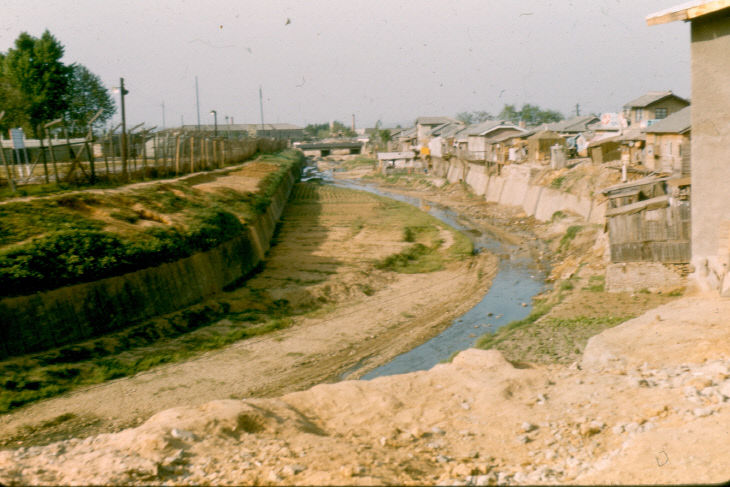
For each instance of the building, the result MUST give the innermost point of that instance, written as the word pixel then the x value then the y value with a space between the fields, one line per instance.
pixel 710 159
pixel 481 138
pixel 652 106
pixel 424 126
pixel 279 131
pixel 668 144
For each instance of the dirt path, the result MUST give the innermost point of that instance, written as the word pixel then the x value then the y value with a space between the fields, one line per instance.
pixel 325 250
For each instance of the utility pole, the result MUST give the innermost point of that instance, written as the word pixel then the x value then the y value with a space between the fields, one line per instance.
pixel 215 121
pixel 197 101
pixel 163 114
pixel 261 105
pixel 577 109
pixel 123 92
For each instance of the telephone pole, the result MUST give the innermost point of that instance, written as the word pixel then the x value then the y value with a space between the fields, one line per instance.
pixel 577 109
pixel 163 114
pixel 197 101
pixel 261 105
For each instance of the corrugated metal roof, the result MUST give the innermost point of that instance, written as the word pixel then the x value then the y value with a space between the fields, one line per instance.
pixel 575 124
pixel 676 123
pixel 434 120
pixel 649 98
pixel 687 11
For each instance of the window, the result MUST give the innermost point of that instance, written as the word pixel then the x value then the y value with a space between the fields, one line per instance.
pixel 639 112
pixel 660 113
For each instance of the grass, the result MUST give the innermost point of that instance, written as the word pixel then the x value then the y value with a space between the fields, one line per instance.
pixel 557 182
pixel 596 284
pixel 31 378
pixel 359 162
pixel 568 237
pixel 71 238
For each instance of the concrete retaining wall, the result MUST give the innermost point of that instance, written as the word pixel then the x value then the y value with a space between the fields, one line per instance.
pixel 72 313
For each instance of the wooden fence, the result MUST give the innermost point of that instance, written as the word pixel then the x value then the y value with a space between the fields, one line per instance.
pixel 149 155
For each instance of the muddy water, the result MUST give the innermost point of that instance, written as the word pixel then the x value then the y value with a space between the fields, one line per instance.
pixel 519 279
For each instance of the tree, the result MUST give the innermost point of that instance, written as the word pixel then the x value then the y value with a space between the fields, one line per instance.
pixel 530 114
pixel 477 116
pixel 509 113
pixel 33 71
pixel 86 95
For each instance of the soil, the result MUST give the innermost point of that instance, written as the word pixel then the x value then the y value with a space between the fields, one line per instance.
pixel 648 401
pixel 354 316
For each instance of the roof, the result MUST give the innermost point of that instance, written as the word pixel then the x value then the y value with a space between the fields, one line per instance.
pixel 488 126
pixel 544 134
pixel 651 97
pixel 575 124
pixel 687 11
pixel 434 120
pixel 676 123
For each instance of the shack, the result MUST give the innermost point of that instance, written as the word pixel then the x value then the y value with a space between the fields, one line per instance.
pixel 539 145
pixel 649 220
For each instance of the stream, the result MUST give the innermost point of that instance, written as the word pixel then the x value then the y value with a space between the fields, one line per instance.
pixel 509 298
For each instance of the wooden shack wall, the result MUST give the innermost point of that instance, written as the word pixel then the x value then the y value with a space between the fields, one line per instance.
pixel 658 235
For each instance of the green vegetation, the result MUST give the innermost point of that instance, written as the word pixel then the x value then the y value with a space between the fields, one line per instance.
pixel 549 340
pixel 568 237
pixel 359 162
pixel 557 182
pixel 558 215
pixel 65 239
pixel 36 87
pixel 596 284
pixel 415 259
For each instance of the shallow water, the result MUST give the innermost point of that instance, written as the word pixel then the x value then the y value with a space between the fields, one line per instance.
pixel 517 281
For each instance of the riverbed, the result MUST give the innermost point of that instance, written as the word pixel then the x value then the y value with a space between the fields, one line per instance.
pixel 508 299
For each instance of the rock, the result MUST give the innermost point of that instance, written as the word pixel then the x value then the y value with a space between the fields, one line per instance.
pixel 527 427
pixel 443 459
pixel 183 435
pixel 618 429
pixel 524 439
pixel 702 412
pixel 487 479
pixel 437 431
pixel 724 389
pixel 294 469
pixel 592 428
pixel 274 477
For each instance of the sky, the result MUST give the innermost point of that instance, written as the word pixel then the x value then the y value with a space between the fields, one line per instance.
pixel 380 60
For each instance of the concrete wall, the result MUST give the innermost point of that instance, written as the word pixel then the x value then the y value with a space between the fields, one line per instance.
pixel 72 313
pixel 710 154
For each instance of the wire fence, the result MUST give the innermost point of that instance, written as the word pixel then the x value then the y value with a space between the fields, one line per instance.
pixel 90 160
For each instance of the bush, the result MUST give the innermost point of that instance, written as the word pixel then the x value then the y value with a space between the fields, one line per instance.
pixel 73 256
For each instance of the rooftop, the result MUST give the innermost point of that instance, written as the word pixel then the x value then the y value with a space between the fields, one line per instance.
pixel 651 97
pixel 687 11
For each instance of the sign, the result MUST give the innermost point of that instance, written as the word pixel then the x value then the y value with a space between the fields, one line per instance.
pixel 18 138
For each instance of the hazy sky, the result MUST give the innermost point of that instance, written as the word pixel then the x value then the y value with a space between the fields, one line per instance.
pixel 385 60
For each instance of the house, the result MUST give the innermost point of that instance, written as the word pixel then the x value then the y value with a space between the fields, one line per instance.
pixel 480 138
pixel 572 126
pixel 668 143
pixel 443 141
pixel 648 220
pixel 424 126
pixel 652 106
pixel 710 157
pixel 539 145
pixel 406 139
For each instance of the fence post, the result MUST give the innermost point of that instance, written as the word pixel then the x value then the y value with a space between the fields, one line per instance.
pixel 177 155
pixel 192 154
pixel 43 152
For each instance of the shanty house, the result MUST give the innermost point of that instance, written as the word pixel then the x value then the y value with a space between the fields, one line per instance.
pixel 539 145
pixel 480 138
pixel 668 143
pixel 655 105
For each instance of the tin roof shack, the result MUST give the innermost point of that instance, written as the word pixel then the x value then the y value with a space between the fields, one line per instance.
pixel 654 105
pixel 649 220
pixel 606 149
pixel 710 45
pixel 405 161
pixel 668 144
pixel 424 126
pixel 482 137
pixel 539 145
pixel 406 139
pixel 573 126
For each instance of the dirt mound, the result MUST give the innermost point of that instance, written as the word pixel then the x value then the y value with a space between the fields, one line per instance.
pixel 476 421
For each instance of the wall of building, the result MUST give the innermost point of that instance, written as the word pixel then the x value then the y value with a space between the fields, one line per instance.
pixel 72 313
pixel 710 155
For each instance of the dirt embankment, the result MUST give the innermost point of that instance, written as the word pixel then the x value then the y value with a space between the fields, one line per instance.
pixel 647 402
pixel 344 312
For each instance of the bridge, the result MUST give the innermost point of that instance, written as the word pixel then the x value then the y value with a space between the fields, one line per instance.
pixel 324 149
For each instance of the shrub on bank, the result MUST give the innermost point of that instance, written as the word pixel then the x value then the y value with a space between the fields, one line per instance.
pixel 80 255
